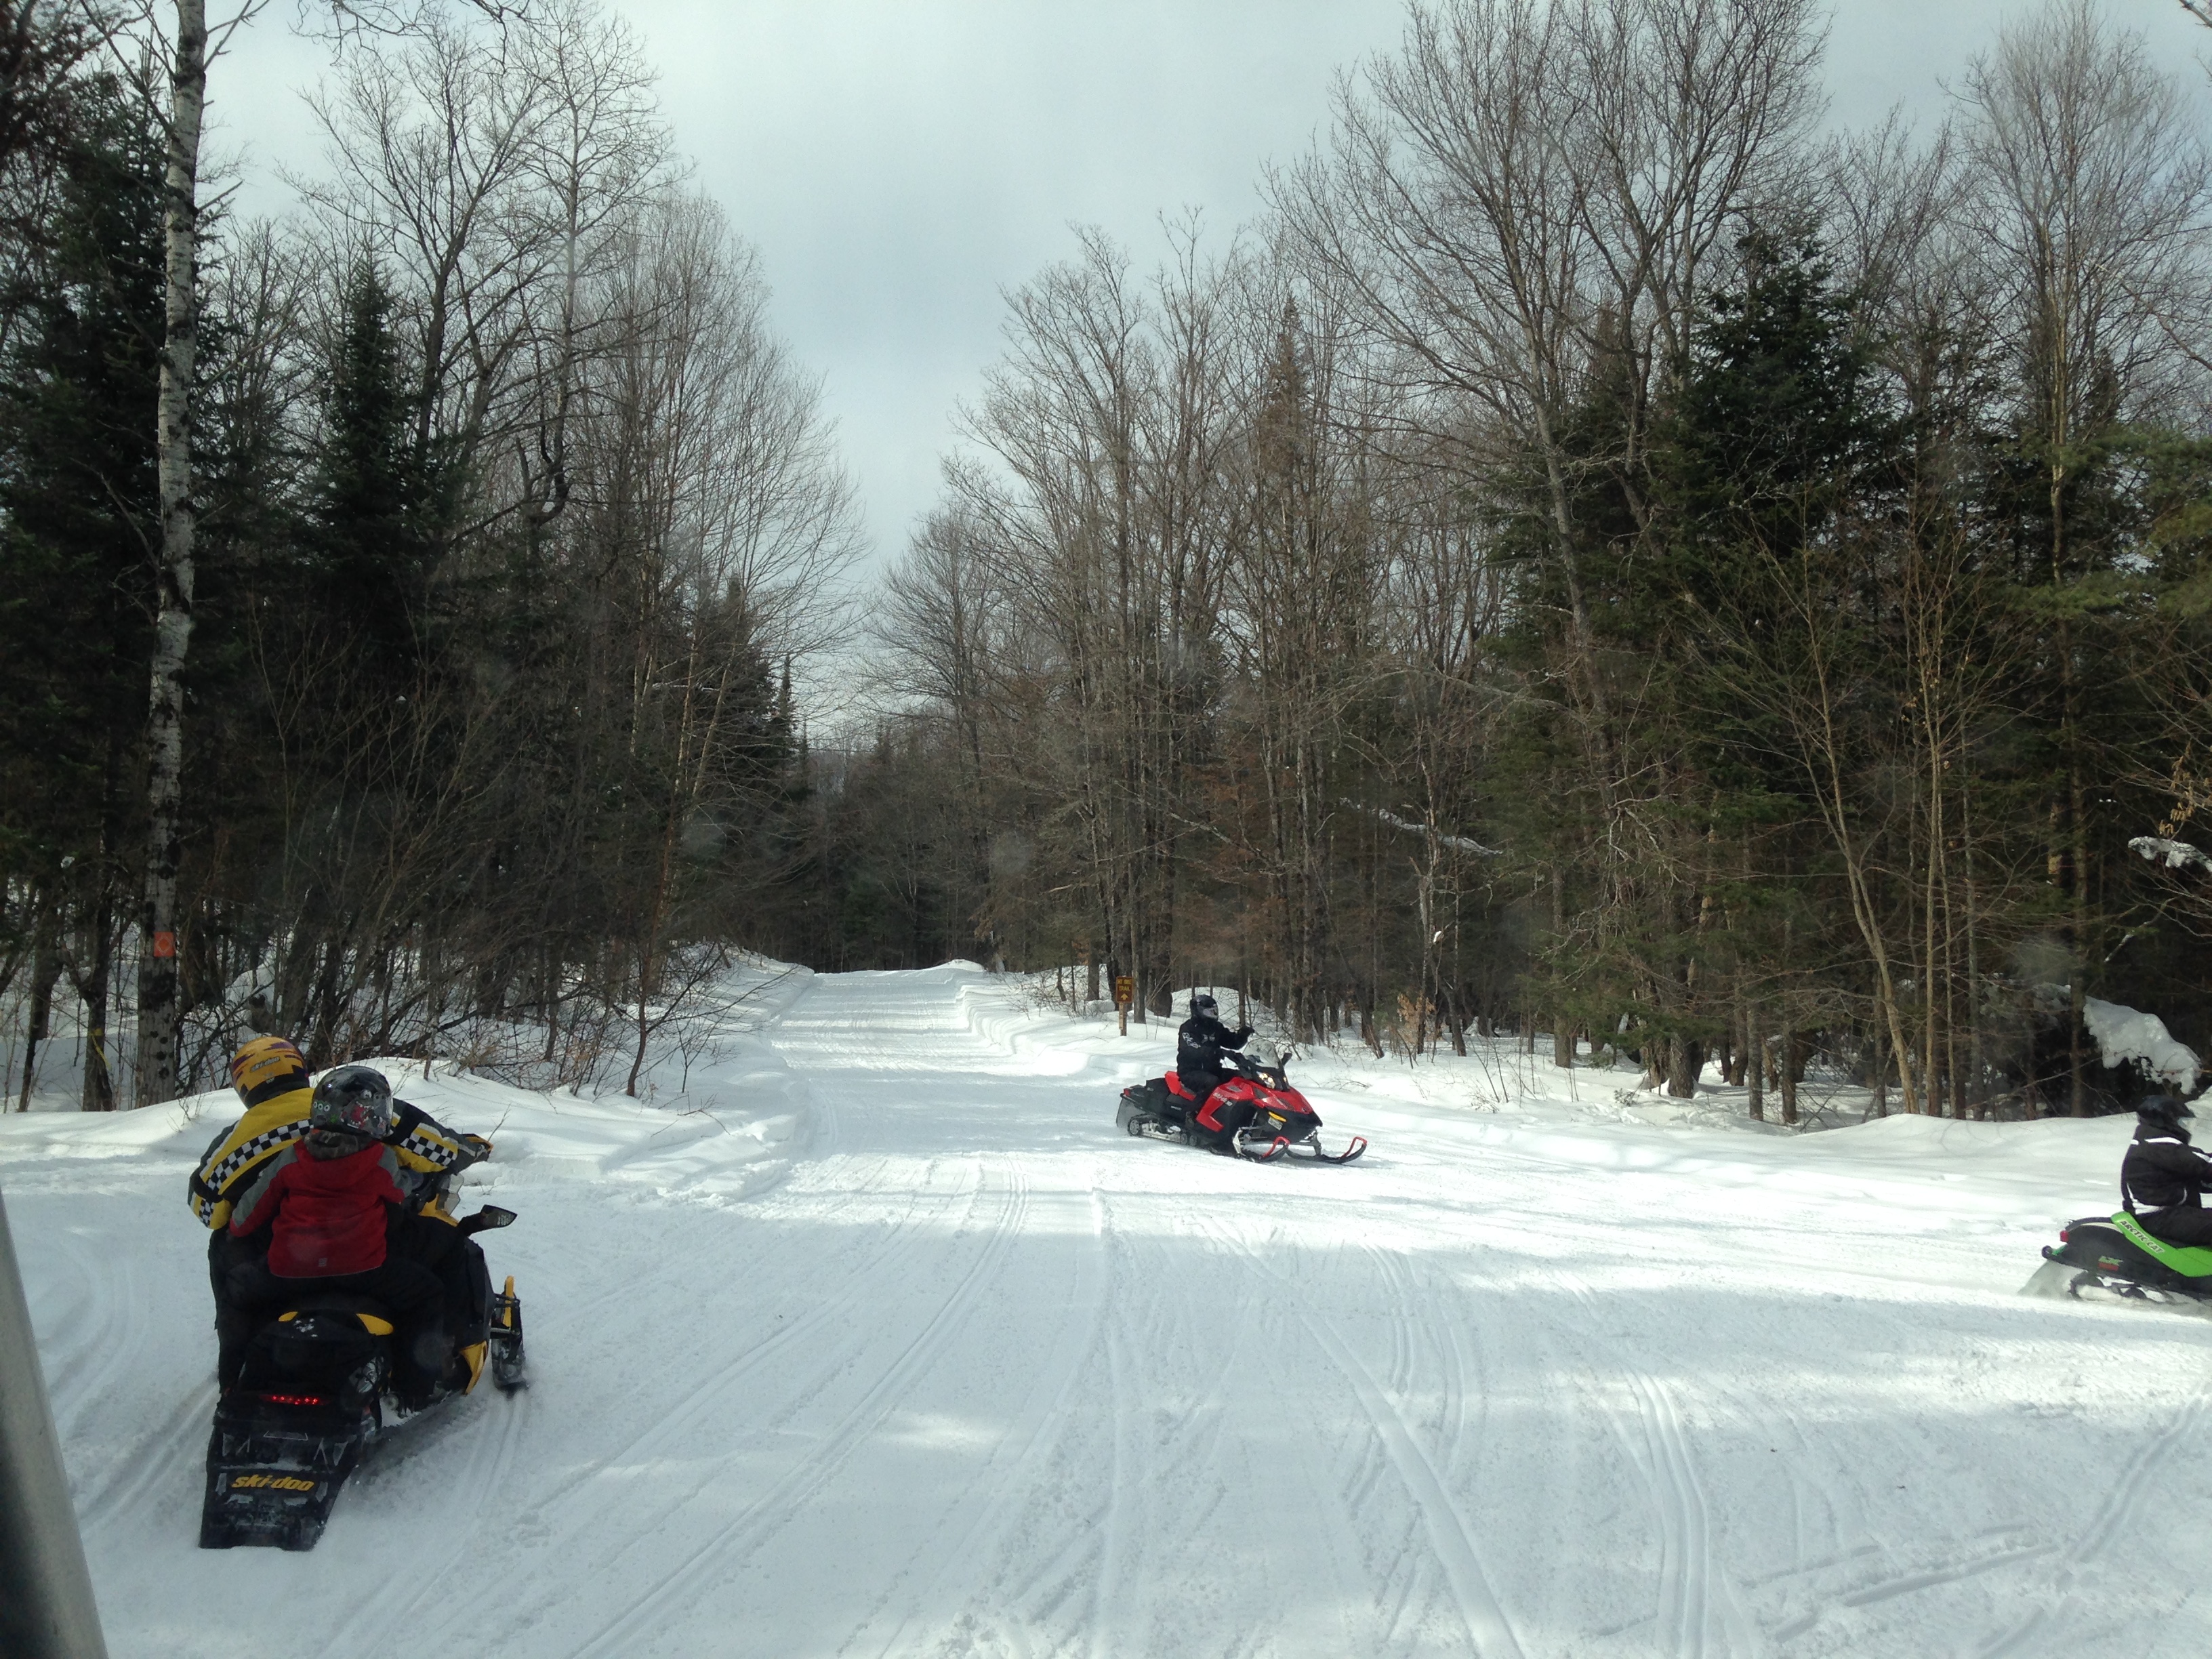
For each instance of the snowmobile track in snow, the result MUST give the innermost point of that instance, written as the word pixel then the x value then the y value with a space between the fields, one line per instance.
pixel 979 1376
pixel 1487 1626
pixel 1698 1611
pixel 772 1509
pixel 2117 1514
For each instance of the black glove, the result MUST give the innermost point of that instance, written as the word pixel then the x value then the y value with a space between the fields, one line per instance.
pixel 1243 1036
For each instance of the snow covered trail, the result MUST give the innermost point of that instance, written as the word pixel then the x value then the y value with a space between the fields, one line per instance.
pixel 892 1345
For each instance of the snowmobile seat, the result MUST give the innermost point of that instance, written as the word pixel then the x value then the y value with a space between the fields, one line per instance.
pixel 328 1343
pixel 374 1316
pixel 2190 1262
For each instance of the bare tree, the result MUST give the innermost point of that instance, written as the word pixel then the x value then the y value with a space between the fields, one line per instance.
pixel 1521 209
pixel 1101 509
pixel 159 1001
pixel 710 499
pixel 190 47
pixel 2090 193
pixel 1306 574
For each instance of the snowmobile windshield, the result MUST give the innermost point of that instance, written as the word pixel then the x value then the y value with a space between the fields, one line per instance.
pixel 1268 1077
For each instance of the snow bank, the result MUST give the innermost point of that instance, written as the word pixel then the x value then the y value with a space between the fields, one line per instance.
pixel 732 1133
pixel 2126 1033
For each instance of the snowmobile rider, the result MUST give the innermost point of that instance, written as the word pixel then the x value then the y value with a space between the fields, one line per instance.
pixel 327 1201
pixel 270 1076
pixel 2163 1178
pixel 1198 1044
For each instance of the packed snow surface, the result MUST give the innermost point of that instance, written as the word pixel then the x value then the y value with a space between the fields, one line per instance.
pixel 880 1339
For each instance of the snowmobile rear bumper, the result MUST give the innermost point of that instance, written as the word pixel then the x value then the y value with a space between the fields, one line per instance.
pixel 275 1467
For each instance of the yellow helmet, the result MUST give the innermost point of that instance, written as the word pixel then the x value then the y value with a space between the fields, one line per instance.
pixel 265 1067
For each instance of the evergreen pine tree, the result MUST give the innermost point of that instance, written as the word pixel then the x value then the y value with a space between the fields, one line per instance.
pixel 371 520
pixel 77 508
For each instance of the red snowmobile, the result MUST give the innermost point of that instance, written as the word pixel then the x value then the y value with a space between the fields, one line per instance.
pixel 1280 1123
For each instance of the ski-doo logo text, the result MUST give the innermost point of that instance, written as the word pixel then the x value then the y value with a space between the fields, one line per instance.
pixel 275 1482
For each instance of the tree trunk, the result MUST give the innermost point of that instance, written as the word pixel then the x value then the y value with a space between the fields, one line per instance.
pixel 1755 1069
pixel 329 1000
pixel 1790 1068
pixel 1686 1058
pixel 1976 1060
pixel 93 987
pixel 2076 1055
pixel 46 969
pixel 159 1001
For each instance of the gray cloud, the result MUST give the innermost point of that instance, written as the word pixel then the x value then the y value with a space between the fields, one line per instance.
pixel 900 162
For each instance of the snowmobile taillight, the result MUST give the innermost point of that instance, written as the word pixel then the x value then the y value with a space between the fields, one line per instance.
pixel 295 1399
pixel 2064 1237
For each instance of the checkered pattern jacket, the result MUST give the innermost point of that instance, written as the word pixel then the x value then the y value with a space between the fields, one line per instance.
pixel 425 1146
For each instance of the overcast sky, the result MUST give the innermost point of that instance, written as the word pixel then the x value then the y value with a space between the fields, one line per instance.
pixel 899 163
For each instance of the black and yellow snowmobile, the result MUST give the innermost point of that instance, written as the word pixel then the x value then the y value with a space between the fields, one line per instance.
pixel 314 1392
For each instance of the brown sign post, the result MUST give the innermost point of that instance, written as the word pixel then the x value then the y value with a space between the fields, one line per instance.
pixel 1125 993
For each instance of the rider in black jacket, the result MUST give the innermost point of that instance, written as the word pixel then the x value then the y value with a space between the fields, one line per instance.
pixel 2163 1178
pixel 1199 1045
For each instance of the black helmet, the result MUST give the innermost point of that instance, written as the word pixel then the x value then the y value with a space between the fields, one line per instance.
pixel 2162 1108
pixel 354 1098
pixel 1201 1003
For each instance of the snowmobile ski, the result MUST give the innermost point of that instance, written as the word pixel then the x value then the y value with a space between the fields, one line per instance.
pixel 1251 1148
pixel 506 1340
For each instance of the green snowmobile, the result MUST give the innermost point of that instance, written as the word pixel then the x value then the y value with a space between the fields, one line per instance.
pixel 2102 1256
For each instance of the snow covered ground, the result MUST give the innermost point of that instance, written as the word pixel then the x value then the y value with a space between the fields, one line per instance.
pixel 880 1339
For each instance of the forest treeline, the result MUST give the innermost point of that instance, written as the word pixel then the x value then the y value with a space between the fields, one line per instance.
pixel 512 516
pixel 1603 560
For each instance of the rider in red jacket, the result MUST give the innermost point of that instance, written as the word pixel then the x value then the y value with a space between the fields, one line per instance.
pixel 326 1202
pixel 324 1198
